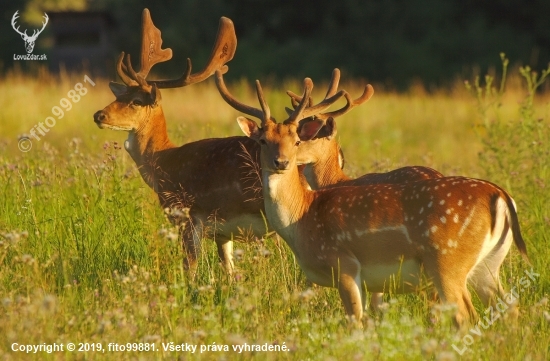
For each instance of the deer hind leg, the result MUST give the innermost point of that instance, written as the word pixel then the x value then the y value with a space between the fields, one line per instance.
pixel 191 241
pixel 225 252
pixel 484 278
pixel 452 289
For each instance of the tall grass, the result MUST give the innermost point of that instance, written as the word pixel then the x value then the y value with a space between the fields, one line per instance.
pixel 88 256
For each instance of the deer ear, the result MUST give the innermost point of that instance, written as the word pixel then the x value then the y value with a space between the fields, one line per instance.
pixel 309 129
pixel 330 128
pixel 249 127
pixel 118 89
pixel 155 93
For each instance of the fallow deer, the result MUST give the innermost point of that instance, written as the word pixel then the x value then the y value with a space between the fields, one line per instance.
pixel 456 230
pixel 205 176
pixel 223 196
pixel 322 155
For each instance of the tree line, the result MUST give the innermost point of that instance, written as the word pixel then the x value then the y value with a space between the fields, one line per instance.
pixel 394 42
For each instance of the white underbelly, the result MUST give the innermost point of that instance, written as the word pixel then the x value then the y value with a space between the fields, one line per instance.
pixel 397 277
pixel 242 226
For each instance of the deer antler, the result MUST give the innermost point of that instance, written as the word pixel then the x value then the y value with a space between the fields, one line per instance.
pixel 302 111
pixel 263 114
pixel 222 52
pixel 350 104
pixel 152 53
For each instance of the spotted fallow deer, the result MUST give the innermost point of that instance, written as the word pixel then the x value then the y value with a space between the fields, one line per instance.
pixel 220 189
pixel 456 230
pixel 322 156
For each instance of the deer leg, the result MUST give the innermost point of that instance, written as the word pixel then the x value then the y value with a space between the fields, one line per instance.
pixel 375 301
pixel 191 242
pixel 456 292
pixel 225 252
pixel 351 292
pixel 451 287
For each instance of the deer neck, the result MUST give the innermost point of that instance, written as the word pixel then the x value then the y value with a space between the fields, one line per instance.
pixel 147 145
pixel 326 171
pixel 286 199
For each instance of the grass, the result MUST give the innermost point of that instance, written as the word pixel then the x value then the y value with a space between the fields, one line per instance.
pixel 87 255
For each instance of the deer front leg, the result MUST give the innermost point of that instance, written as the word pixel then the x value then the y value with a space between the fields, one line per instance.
pixel 375 301
pixel 351 292
pixel 225 252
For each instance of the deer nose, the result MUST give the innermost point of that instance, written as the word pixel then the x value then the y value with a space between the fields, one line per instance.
pixel 280 164
pixel 99 116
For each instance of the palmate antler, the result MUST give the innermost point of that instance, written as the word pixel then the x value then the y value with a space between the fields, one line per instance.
pixel 303 110
pixel 152 53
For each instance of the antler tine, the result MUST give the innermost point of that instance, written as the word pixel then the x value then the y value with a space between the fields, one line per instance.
pixel 299 112
pixel 332 88
pixel 229 99
pixel 265 108
pixel 222 52
pixel 151 42
pixel 334 82
pixel 133 75
pixel 367 94
pixel 322 106
pixel 122 72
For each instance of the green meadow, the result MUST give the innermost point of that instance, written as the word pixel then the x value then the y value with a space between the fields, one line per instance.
pixel 88 257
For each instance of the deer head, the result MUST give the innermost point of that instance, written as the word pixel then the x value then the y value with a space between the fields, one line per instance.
pixel 307 122
pixel 29 40
pixel 303 119
pixel 138 99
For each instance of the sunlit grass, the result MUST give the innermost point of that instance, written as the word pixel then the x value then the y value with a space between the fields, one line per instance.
pixel 87 255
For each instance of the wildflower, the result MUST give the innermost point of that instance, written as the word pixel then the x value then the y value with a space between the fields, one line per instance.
pixel 6 302
pixel 384 307
pixel 49 303
pixel 306 295
pixel 151 338
pixel 172 236
pixel 27 259
pixel 238 254
pixel 200 334
pixel 446 356
pixel 236 339
pixel 429 347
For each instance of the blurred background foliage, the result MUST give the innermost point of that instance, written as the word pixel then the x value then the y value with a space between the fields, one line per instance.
pixel 396 43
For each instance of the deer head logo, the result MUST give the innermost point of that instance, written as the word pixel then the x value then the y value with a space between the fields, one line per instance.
pixel 29 40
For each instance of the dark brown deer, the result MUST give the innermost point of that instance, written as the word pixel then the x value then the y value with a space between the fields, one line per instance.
pixel 221 190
